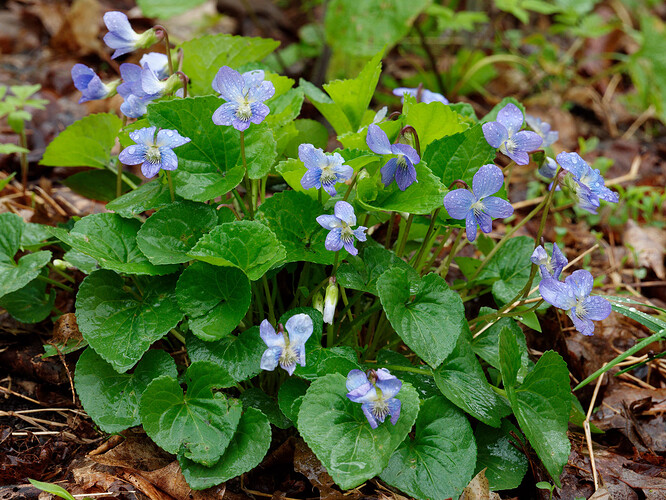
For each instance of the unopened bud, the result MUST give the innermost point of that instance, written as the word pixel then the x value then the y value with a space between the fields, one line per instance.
pixel 61 265
pixel 330 302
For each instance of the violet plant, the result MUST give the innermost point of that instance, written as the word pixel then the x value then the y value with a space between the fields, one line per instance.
pixel 226 252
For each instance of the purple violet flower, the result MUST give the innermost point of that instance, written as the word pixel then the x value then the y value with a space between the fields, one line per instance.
pixel 586 183
pixel 477 207
pixel 340 226
pixel 573 296
pixel 286 348
pixel 549 267
pixel 90 85
pixel 154 152
pixel 158 62
pixel 376 393
pixel 401 168
pixel 245 95
pixel 323 170
pixel 548 169
pixel 141 85
pixel 123 38
pixel 504 134
pixel 543 129
pixel 426 95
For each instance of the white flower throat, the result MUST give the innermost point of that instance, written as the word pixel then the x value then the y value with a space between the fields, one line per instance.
pixel 153 154
pixel 347 232
pixel 478 207
pixel 244 111
pixel 288 356
pixel 328 172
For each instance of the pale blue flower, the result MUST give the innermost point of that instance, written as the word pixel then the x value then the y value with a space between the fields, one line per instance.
pixel 340 226
pixel 286 348
pixel 153 152
pixel 505 134
pixel 543 129
pixel 426 95
pixel 586 183
pixel 401 168
pixel 323 170
pixel 90 85
pixel 245 95
pixel 123 38
pixel 478 207
pixel 573 296
pixel 376 393
pixel 549 267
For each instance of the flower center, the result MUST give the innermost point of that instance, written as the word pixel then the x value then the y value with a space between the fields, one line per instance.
pixel 508 146
pixel 153 155
pixel 327 173
pixel 288 357
pixel 380 409
pixel 347 232
pixel 478 207
pixel 581 310
pixel 244 111
pixel 401 161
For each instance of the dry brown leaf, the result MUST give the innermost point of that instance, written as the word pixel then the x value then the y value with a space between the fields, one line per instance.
pixel 601 494
pixel 79 32
pixel 479 489
pixel 170 479
pixel 649 243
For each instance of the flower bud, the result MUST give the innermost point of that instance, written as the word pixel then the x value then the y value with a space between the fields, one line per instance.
pixel 318 302
pixel 330 302
pixel 62 265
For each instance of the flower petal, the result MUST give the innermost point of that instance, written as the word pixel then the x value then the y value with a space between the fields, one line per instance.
pixel 225 114
pixel 557 293
pixel 259 112
pixel 495 133
pixel 299 327
pixel 484 221
pixel 269 336
pixel 229 84
pixel 487 180
pixel 497 208
pixel 355 379
pixel 558 261
pixel 169 159
pixel 405 176
pixel 520 157
pixel 388 171
pixel 269 360
pixel 158 62
pixel 345 212
pixel 470 225
pixel 260 93
pixel 407 151
pixel 133 155
pixel 117 23
pixel 527 141
pixel 311 157
pixel 349 246
pixel 573 163
pixel 144 136
pixel 311 179
pixel 394 409
pixel 511 117
pixel 597 308
pixel 581 282
pixel 583 325
pixel 389 384
pixel 367 411
pixel 458 203
pixel 539 256
pixel 334 240
pixel 377 140
pixel 170 138
pixel 150 169
pixel 329 221
pixel 81 76
pixel 150 83
pixel 359 232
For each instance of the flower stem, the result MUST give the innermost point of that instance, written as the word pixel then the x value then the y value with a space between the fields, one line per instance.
pixel 335 264
pixel 320 196
pixel 55 283
pixel 167 46
pixel 426 238
pixel 389 232
pixel 405 235
pixel 24 160
pixel 248 189
pixel 269 300
pixel 443 269
pixel 410 369
pixel 172 192
pixel 351 185
pixel 438 250
pixel 119 178
pixel 238 198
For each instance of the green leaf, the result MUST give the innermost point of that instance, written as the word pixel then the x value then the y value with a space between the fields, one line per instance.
pixel 210 165
pixel 427 315
pixel 240 355
pixel 249 245
pixel 14 277
pixel 439 460
pixel 7 149
pixel 341 437
pixel 363 28
pixel 53 489
pixel 362 272
pixel 459 156
pixel 111 398
pixel 81 261
pixel 433 121
pixel 292 216
pixel 204 56
pixel 96 184
pixel 245 451
pixel 214 298
pixel 120 322
pixel 30 304
pixel 321 361
pixel 170 233
pixel 422 197
pixel 34 234
pixel 260 151
pixel 254 397
pixel 541 404
pixel 10 177
pixel 505 464
pixel 290 397
pixel 423 383
pixel 11 229
pixel 285 108
pixel 111 241
pixel 487 346
pixel 165 9
pixel 511 267
pixel 199 424
pixel 462 380
pixel 150 195
pixel 85 143
pixel 310 131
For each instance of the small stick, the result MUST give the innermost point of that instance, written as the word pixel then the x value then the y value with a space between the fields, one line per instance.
pixel 588 434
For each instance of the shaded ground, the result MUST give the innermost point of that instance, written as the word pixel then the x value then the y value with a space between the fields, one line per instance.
pixel 45 435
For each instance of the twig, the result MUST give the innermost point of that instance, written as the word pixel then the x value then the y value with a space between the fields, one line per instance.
pixel 588 434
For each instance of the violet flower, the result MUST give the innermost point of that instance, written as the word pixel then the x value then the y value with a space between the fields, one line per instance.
pixel 376 393
pixel 504 134
pixel 478 207
pixel 123 38
pixel 340 226
pixel 543 129
pixel 154 152
pixel 401 168
pixel 287 347
pixel 573 296
pixel 323 170
pixel 586 183
pixel 90 85
pixel 549 267
pixel 245 95
pixel 426 95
